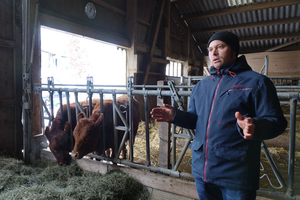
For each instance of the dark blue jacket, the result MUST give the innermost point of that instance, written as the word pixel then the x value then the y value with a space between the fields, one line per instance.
pixel 220 153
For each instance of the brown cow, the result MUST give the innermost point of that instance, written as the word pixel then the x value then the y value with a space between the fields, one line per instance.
pixel 59 134
pixel 88 133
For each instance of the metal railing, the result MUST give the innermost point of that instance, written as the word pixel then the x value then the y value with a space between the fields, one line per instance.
pixel 175 92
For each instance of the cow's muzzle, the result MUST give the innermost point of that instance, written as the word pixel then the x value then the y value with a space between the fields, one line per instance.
pixel 75 155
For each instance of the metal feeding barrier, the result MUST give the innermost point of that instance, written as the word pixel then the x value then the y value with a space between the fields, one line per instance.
pixel 176 92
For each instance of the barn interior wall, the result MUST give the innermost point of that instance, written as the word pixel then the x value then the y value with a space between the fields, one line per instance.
pixel 11 137
pixel 114 23
pixel 280 63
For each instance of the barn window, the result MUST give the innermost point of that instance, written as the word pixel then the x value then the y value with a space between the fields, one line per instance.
pixel 174 68
pixel 71 58
pixel 77 57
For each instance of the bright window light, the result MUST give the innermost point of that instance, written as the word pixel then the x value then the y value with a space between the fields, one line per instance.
pixel 70 59
pixel 174 68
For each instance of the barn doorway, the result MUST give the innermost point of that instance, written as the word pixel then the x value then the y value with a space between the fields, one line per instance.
pixel 71 58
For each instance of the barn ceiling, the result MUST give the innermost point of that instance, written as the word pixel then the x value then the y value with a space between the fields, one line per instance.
pixel 262 25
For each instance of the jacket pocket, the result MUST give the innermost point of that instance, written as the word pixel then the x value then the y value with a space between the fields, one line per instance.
pixel 196 146
pixel 224 92
pixel 230 153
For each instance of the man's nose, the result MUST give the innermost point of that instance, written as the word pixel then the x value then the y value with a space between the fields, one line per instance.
pixel 215 51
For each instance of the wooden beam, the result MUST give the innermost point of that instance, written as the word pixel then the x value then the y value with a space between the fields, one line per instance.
pixel 181 1
pixel 264 37
pixel 131 18
pixel 159 60
pixel 152 48
pixel 141 47
pixel 248 25
pixel 143 22
pixel 270 37
pixel 288 48
pixel 7 43
pixel 167 32
pixel 65 25
pixel 150 73
pixel 109 7
pixel 241 9
pixel 283 45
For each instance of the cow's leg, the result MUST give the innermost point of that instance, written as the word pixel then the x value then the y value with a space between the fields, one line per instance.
pixel 108 152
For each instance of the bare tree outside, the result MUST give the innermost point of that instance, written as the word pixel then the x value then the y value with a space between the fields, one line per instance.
pixel 79 63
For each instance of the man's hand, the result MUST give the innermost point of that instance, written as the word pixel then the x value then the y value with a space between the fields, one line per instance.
pixel 164 114
pixel 246 123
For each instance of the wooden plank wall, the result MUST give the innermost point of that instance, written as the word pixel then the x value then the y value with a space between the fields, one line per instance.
pixel 11 137
pixel 280 63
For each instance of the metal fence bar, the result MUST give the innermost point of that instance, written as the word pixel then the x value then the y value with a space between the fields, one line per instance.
pixel 147 127
pixel 116 138
pixel 151 90
pixel 293 106
pixel 69 118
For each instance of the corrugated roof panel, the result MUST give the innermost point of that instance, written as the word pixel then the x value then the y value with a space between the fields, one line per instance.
pixel 265 15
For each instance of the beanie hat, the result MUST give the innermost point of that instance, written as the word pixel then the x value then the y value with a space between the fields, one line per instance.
pixel 227 37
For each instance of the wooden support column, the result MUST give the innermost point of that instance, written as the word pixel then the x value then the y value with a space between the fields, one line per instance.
pixel 131 20
pixel 153 41
pixel 167 49
pixel 164 134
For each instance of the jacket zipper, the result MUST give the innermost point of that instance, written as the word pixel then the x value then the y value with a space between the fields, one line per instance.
pixel 208 126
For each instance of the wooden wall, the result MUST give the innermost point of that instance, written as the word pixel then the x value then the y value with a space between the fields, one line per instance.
pixel 11 137
pixel 280 63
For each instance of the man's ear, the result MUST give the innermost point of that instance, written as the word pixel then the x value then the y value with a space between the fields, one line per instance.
pixel 80 116
pixel 67 127
pixel 47 133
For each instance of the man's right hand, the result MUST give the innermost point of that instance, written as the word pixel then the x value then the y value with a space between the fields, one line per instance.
pixel 163 114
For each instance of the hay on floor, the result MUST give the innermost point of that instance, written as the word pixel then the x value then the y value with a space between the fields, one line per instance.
pixel 46 180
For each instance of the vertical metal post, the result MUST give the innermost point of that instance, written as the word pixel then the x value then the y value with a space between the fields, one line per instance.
pixel 61 105
pixel 129 90
pixel 173 139
pixel 69 117
pixel 147 126
pixel 293 106
pixel 43 117
pixel 90 104
pixel 115 120
pixel 42 110
pixel 50 81
pixel 266 65
pixel 103 123
pixel 76 106
pixel 90 94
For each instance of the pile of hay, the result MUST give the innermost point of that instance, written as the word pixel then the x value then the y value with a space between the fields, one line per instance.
pixel 46 180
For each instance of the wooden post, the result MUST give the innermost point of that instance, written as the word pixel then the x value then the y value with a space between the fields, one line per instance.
pixel 164 135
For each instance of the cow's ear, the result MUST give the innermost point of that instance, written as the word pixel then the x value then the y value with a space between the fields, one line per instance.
pixel 100 119
pixel 80 116
pixel 47 133
pixel 67 127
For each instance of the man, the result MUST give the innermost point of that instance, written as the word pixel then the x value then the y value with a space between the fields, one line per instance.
pixel 232 110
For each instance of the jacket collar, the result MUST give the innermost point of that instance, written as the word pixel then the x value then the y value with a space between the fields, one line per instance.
pixel 239 66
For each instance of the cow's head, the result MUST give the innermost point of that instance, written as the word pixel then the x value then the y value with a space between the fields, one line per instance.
pixel 86 134
pixel 59 143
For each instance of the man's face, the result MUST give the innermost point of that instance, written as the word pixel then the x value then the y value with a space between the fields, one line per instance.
pixel 220 54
